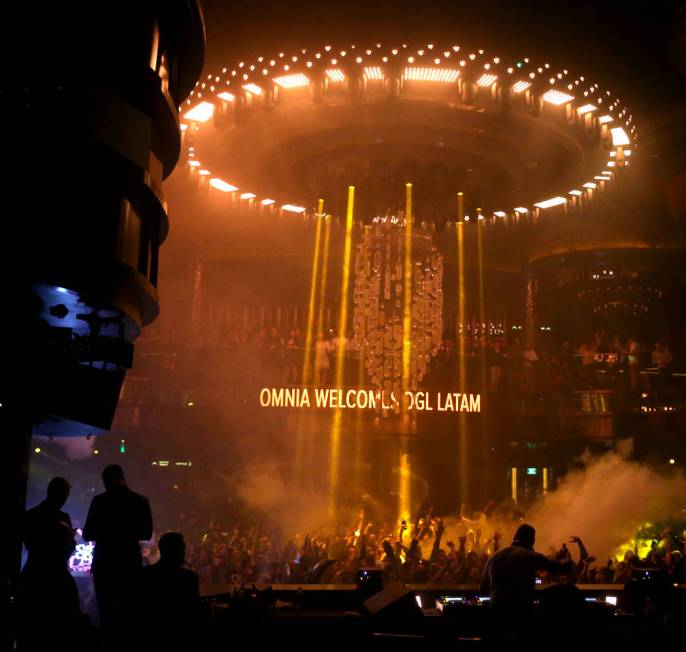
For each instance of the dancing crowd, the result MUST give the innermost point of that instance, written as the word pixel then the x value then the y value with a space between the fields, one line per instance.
pixel 137 573
pixel 420 553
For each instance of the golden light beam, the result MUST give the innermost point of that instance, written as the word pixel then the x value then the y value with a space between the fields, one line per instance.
pixel 482 305
pixel 484 438
pixel 404 464
pixel 461 345
pixel 405 488
pixel 307 363
pixel 345 282
pixel 407 307
pixel 335 443
pixel 307 370
pixel 322 286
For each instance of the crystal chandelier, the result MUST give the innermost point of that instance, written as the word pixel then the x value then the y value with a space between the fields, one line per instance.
pixel 379 304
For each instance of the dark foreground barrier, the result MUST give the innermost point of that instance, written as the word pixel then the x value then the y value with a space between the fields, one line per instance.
pixel 399 616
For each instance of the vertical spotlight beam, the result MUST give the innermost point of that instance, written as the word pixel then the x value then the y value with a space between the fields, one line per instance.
pixel 359 426
pixel 322 286
pixel 404 470
pixel 307 364
pixel 484 439
pixel 462 370
pixel 513 479
pixel 335 444
pixel 407 276
pixel 307 371
pixel 345 282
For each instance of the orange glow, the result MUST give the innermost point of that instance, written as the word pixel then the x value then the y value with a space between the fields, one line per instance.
pixel 221 185
pixel 520 87
pixel 619 137
pixel 296 80
pixel 557 97
pixel 313 294
pixel 292 208
pixel 487 80
pixel 335 75
pixel 586 108
pixel 200 112
pixel 248 195
pixel 549 203
pixel 226 96
pixel 253 88
pixel 443 75
pixel 373 73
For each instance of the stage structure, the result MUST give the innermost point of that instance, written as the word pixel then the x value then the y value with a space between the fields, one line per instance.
pixel 398 209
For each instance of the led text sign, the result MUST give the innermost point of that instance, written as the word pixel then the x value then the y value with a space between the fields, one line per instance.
pixel 368 399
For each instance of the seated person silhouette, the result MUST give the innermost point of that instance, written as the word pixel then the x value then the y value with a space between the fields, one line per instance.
pixel 171 598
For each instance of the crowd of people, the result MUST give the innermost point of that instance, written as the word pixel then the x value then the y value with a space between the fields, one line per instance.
pixel 420 553
pixel 502 364
pixel 135 572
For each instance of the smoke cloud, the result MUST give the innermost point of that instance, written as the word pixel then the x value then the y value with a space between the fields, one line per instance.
pixel 291 508
pixel 605 503
pixel 76 448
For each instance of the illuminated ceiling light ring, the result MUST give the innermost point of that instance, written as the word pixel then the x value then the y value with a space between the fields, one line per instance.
pixel 295 80
pixel 440 75
pixel 335 75
pixel 551 203
pixel 222 185
pixel 520 87
pixel 486 80
pixel 373 73
pixel 558 98
pixel 202 111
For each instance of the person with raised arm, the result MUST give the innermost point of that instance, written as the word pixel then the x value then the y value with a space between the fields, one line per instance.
pixel 509 580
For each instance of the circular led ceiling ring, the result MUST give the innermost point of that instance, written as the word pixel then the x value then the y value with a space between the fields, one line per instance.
pixel 538 89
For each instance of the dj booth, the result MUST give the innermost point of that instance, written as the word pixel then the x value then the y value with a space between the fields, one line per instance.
pixel 349 613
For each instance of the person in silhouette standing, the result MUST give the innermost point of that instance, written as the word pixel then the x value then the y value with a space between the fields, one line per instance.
pixel 510 579
pixel 117 520
pixel 171 598
pixel 40 521
pixel 48 599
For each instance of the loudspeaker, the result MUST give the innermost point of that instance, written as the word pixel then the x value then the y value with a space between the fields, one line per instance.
pixel 394 608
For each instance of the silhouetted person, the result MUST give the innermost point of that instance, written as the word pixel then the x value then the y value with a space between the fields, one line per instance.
pixel 41 519
pixel 510 579
pixel 117 520
pixel 171 598
pixel 48 599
